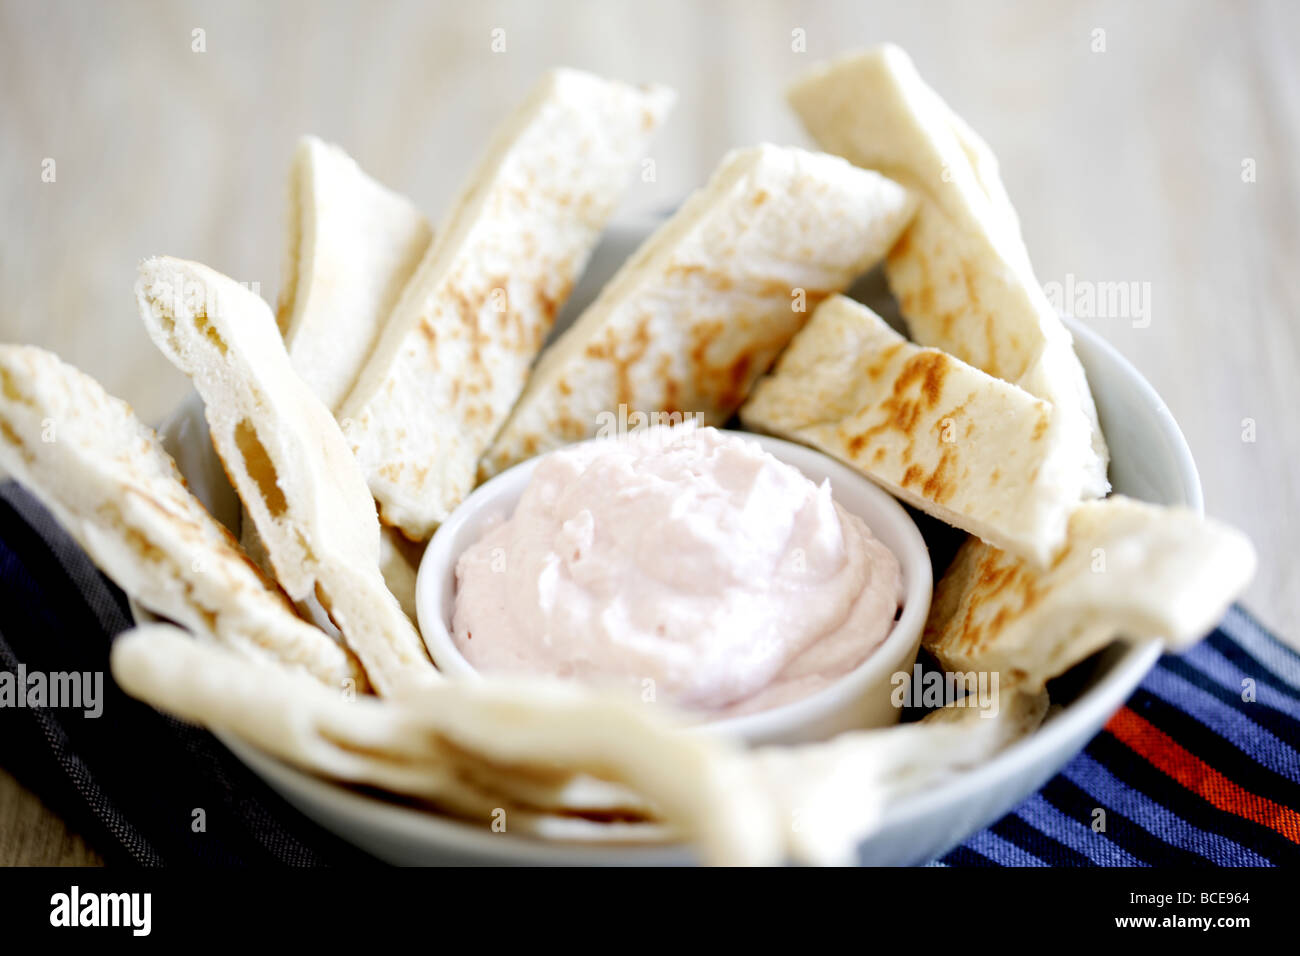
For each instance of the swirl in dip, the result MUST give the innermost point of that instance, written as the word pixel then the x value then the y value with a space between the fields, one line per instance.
pixel 684 556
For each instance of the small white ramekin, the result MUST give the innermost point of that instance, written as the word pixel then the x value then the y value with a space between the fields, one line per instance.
pixel 862 698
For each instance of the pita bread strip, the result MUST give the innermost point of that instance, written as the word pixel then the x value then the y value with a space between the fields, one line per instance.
pixel 285 456
pixel 107 479
pixel 833 795
pixel 960 272
pixel 1129 570
pixel 707 302
pixel 454 357
pixel 699 784
pixel 970 449
pixel 353 245
pixel 399 563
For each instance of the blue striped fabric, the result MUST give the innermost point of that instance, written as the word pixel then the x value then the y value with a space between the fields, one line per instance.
pixel 1202 814
pixel 128 781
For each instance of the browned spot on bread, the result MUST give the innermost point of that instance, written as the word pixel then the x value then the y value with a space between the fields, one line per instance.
pixel 774 288
pixel 882 360
pixel 1061 555
pixel 692 273
pixel 1040 426
pixel 477 413
pixel 703 335
pixel 931 367
pixel 573 430
pixel 672 396
pixel 946 321
pixel 1003 585
pixel 13 438
pixel 913 475
pixel 941 485
pixel 919 385
pixel 11 389
pixel 624 356
pixel 548 305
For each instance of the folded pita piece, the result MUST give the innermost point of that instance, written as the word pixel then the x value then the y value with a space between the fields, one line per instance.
pixel 454 356
pixel 353 245
pixel 1129 569
pixel 707 302
pixel 106 478
pixel 434 742
pixel 833 795
pixel 960 272
pixel 286 457
pixel 968 448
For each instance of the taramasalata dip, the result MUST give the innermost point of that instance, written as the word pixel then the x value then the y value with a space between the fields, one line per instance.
pixel 683 561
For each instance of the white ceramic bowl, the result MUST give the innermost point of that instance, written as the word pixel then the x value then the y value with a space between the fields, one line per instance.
pixel 1149 460
pixel 859 699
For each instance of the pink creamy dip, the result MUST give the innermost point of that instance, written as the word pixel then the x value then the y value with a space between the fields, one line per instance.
pixel 681 562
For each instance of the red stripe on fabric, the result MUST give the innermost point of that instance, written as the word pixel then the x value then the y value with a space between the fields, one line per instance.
pixel 1167 755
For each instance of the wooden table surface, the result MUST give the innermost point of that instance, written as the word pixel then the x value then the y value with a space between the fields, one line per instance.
pixel 1151 144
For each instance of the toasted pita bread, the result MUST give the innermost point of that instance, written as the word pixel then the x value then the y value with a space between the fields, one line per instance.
pixel 970 449
pixel 353 245
pixel 960 272
pixel 704 306
pixel 831 796
pixel 285 456
pixel 549 731
pixel 106 478
pixel 1128 569
pixel 455 355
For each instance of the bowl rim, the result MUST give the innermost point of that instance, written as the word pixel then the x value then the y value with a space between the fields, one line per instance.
pixel 775 724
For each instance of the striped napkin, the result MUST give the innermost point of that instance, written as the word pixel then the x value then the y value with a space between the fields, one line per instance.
pixel 1201 766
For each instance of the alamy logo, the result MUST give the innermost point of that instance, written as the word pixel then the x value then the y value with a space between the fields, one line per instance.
pixel 1086 299
pixel 77 690
pixel 921 688
pixel 74 908
pixel 630 422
